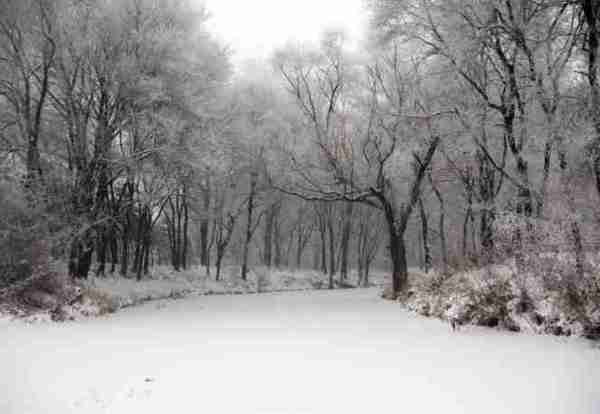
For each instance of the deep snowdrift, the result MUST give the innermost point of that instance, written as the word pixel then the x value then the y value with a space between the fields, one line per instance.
pixel 304 352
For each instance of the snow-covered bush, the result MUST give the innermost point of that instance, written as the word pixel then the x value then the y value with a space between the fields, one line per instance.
pixel 536 301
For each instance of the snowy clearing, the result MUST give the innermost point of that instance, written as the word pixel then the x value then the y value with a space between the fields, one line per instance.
pixel 296 352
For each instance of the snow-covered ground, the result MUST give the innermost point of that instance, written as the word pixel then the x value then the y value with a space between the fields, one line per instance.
pixel 344 351
pixel 99 295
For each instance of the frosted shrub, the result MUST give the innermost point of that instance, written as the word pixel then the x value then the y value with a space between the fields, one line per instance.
pixel 534 285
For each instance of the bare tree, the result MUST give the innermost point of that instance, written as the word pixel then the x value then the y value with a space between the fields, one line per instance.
pixel 28 50
pixel 318 91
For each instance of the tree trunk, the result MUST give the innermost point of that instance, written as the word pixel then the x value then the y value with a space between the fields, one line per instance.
pixel 398 256
pixel 591 10
pixel 420 251
pixel 323 255
pixel 487 192
pixel 331 232
pixel 249 221
pixel 443 245
pixel 277 239
pixel 397 220
pixel 81 257
pixel 468 215
pixel 101 250
pixel 268 237
pixel 178 232
pixel 442 229
pixel 204 248
pixel 346 241
pixel 136 266
pixel 147 250
pixel 220 254
pixel 124 253
pixel 360 248
pixel 425 232
pixel 299 249
pixel 186 217
pixel 114 248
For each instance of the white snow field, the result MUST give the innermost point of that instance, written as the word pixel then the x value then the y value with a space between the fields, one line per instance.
pixel 344 351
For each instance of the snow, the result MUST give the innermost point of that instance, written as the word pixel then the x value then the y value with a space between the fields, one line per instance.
pixel 343 351
pixel 163 283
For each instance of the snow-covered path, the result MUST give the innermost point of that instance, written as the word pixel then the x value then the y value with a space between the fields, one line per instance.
pixel 301 352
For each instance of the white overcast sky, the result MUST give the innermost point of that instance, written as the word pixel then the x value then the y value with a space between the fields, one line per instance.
pixel 254 28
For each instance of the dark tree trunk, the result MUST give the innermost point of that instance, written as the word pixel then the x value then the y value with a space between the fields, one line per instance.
pixel 136 266
pixel 33 165
pixel 323 255
pixel 323 212
pixel 184 235
pixel 465 235
pixel 277 239
pixel 101 251
pixel 546 175
pixel 249 224
pixel 420 251
pixel 487 193
pixel 486 233
pixel 114 255
pixel 178 232
pixel 360 269
pixel 204 244
pixel 591 11
pixel 81 257
pixel 125 245
pixel 299 256
pixel 331 231
pixel 443 245
pixel 147 250
pixel 301 241
pixel 268 236
pixel 425 235
pixel 220 254
pixel 398 256
pixel 345 243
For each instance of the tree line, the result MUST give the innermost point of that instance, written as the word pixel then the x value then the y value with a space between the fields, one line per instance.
pixel 463 133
